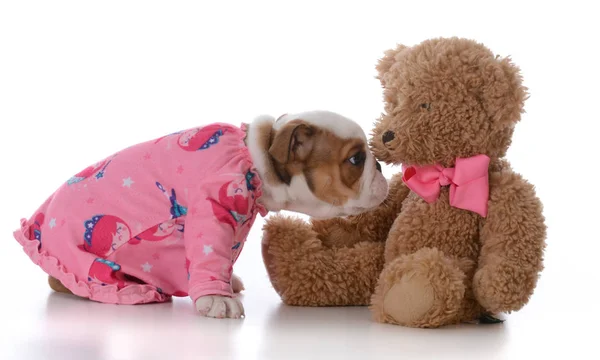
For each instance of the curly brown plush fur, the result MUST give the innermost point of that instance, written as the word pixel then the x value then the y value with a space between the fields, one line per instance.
pixel 418 264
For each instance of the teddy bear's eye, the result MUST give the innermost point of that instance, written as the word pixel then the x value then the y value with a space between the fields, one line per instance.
pixel 426 106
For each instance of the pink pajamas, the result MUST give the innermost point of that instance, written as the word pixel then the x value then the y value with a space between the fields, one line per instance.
pixel 167 217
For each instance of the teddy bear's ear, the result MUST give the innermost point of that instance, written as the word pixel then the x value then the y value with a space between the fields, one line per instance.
pixel 385 63
pixel 505 95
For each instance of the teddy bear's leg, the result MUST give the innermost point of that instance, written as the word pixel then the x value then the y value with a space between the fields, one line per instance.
pixel 330 262
pixel 422 289
pixel 304 272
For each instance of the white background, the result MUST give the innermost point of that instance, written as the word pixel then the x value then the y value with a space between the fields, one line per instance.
pixel 80 80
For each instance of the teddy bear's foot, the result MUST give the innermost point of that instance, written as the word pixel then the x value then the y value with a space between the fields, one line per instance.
pixel 284 240
pixel 409 299
pixel 424 289
pixel 304 272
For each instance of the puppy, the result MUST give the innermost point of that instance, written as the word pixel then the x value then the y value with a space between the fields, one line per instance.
pixel 169 216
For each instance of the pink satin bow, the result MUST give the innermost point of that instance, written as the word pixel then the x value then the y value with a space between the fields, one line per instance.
pixel 468 180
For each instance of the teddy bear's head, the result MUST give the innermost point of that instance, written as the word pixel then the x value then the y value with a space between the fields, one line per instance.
pixel 446 98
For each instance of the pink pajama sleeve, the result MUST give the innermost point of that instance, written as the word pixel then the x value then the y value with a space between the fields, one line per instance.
pixel 210 234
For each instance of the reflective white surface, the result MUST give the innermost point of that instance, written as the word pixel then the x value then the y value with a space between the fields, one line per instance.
pixel 40 324
pixel 80 80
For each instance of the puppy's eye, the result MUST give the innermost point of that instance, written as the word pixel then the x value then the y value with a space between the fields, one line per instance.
pixel 426 106
pixel 357 158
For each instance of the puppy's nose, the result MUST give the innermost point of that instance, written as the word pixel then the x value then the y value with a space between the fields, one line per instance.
pixel 378 166
pixel 388 136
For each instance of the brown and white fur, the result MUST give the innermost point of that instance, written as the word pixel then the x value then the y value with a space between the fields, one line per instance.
pixel 315 163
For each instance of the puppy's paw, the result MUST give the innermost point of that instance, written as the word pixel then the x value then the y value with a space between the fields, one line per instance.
pixel 219 307
pixel 236 284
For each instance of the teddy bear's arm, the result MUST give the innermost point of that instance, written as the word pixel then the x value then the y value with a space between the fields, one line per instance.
pixel 373 225
pixel 305 273
pixel 513 241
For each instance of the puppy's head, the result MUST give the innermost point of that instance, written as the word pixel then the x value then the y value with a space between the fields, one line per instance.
pixel 323 160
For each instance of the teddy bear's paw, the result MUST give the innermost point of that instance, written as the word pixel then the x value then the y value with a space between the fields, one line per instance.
pixel 503 287
pixel 423 289
pixel 288 247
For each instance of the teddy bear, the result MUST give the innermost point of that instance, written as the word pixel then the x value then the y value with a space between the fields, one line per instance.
pixel 461 236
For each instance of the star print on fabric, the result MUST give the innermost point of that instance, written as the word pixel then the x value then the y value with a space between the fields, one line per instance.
pixel 180 169
pixel 147 156
pixel 156 256
pixel 199 236
pixel 90 200
pixel 147 267
pixel 207 249
pixel 62 222
pixel 193 211
pixel 52 223
pixel 128 182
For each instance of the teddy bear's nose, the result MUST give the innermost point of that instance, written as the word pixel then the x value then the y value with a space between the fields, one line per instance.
pixel 388 136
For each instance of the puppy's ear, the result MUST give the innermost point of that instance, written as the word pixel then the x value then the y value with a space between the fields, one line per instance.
pixel 293 142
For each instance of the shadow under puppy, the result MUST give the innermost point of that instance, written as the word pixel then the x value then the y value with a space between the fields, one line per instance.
pixel 169 216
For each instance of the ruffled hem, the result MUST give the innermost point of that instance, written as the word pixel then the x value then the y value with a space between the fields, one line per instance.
pixel 111 294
